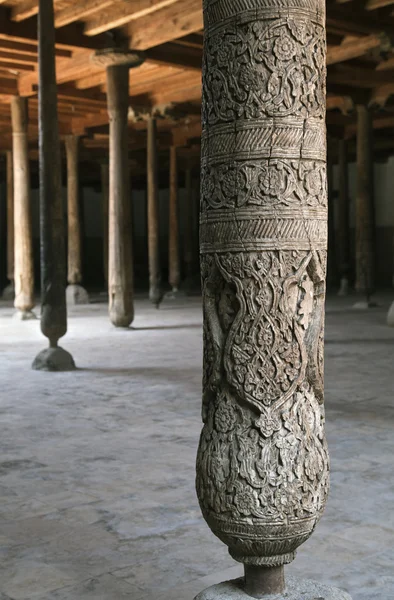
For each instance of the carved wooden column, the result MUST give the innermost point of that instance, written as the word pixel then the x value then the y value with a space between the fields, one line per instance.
pixel 343 231
pixel 9 290
pixel 75 293
pixel 120 266
pixel 262 466
pixel 188 236
pixel 23 235
pixel 52 226
pixel 105 197
pixel 365 218
pixel 173 226
pixel 155 289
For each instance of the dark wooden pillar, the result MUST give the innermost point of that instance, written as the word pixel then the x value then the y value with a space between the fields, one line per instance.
pixel 52 226
pixel 189 233
pixel 9 290
pixel 23 235
pixel 173 225
pixel 155 288
pixel 343 230
pixel 332 271
pixel 75 293
pixel 105 205
pixel 365 210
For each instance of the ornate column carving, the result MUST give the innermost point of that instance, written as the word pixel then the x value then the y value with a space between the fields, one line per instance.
pixel 9 290
pixel 155 289
pixel 23 235
pixel 262 465
pixel 75 293
pixel 52 226
pixel 365 217
pixel 343 232
pixel 120 265
pixel 173 226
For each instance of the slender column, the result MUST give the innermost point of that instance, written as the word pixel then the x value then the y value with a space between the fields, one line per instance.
pixel 23 235
pixel 343 230
pixel 262 466
pixel 52 226
pixel 173 226
pixel 188 237
pixel 105 196
pixel 365 218
pixel 120 268
pixel 75 293
pixel 155 289
pixel 9 290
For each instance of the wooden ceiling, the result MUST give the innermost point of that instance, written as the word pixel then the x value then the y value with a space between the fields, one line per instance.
pixel 360 59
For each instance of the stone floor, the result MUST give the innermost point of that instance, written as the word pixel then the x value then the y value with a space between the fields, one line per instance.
pixel 97 494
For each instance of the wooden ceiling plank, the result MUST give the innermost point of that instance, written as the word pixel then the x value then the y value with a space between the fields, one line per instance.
pixel 24 10
pixel 352 49
pixel 26 48
pixel 165 25
pixel 80 11
pixel 15 66
pixel 15 57
pixel 374 4
pixel 121 14
pixel 173 54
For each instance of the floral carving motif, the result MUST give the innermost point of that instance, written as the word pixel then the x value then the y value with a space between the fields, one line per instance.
pixel 264 183
pixel 265 69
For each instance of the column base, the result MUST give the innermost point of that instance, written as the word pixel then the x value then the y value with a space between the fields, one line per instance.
pixel 390 316
pixel 296 589
pixel 25 315
pixel 156 296
pixel 9 292
pixel 76 294
pixel 344 287
pixel 54 359
pixel 174 294
pixel 365 304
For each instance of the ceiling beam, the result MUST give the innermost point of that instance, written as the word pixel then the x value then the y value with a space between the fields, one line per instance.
pixel 24 10
pixel 121 14
pixel 166 24
pixel 374 4
pixel 355 48
pixel 79 11
pixel 71 36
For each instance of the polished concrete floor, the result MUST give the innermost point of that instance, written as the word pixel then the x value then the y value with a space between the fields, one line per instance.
pixel 97 496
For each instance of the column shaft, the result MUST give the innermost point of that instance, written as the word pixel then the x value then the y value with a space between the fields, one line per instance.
pixel 23 237
pixel 155 290
pixel 262 466
pixel 343 231
pixel 105 197
pixel 120 268
pixel 188 237
pixel 365 217
pixel 9 291
pixel 74 275
pixel 173 225
pixel 52 226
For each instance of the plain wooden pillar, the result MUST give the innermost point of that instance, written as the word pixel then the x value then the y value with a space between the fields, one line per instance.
pixel 155 289
pixel 120 268
pixel 343 231
pixel 173 224
pixel 9 290
pixel 365 218
pixel 104 195
pixel 23 236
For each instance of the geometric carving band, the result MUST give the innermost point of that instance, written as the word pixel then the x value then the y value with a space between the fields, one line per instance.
pixel 254 233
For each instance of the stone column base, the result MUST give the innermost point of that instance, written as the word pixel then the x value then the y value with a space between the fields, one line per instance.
pixel 390 316
pixel 24 315
pixel 344 287
pixel 296 589
pixel 76 294
pixel 365 304
pixel 54 359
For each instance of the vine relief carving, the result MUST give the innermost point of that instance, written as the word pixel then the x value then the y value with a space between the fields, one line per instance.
pixel 263 466
pixel 265 68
